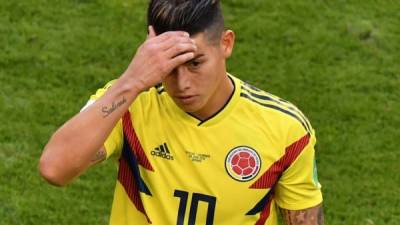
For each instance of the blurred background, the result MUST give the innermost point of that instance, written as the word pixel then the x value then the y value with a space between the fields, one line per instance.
pixel 336 60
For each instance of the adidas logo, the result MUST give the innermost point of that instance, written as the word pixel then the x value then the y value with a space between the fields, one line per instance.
pixel 163 152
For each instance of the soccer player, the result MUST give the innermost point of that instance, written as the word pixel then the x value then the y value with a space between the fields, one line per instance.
pixel 195 145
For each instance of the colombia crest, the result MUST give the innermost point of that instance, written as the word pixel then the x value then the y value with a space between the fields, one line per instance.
pixel 242 163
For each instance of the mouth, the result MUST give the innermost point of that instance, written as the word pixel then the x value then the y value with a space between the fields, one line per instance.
pixel 186 99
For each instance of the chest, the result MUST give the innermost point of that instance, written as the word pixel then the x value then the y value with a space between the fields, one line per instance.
pixel 231 154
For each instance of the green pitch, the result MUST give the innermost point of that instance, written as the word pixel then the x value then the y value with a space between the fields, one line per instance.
pixel 337 60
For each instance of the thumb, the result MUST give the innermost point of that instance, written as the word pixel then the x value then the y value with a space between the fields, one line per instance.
pixel 151 33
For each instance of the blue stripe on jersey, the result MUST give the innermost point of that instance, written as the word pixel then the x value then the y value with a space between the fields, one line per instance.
pixel 276 108
pixel 130 158
pixel 246 87
pixel 260 205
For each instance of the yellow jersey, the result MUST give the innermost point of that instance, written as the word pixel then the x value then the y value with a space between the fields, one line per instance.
pixel 235 168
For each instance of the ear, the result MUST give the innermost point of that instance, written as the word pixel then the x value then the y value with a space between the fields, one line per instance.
pixel 227 43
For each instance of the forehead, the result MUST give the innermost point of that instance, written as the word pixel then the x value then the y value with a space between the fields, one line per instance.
pixel 203 41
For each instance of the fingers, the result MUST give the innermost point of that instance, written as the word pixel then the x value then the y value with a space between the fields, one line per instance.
pixel 152 36
pixel 171 48
pixel 171 43
pixel 171 34
pixel 180 59
pixel 174 40
pixel 180 48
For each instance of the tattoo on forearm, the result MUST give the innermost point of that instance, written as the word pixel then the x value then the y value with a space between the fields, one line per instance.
pixel 311 216
pixel 107 110
pixel 300 216
pixel 287 218
pixel 100 156
pixel 320 216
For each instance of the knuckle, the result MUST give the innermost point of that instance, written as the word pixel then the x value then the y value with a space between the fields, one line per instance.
pixel 167 34
pixel 176 39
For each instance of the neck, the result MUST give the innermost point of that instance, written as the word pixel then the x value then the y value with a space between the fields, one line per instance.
pixel 218 100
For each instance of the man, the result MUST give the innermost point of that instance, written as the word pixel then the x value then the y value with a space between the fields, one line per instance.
pixel 195 145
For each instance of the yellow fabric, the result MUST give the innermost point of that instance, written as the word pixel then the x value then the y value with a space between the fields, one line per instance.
pixel 200 151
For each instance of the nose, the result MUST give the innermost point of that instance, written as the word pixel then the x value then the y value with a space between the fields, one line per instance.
pixel 182 78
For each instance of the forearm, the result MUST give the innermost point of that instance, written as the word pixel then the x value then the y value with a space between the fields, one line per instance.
pixel 72 147
pixel 311 216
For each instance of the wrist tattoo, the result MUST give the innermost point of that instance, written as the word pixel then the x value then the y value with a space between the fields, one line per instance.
pixel 107 110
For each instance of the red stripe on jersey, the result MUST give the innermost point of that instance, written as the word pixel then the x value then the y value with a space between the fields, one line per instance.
pixel 133 141
pixel 271 176
pixel 126 178
pixel 265 213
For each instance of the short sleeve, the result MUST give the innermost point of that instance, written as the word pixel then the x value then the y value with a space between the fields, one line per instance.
pixel 114 141
pixel 299 188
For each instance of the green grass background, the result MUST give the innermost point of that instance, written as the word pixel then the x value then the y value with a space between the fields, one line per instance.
pixel 337 60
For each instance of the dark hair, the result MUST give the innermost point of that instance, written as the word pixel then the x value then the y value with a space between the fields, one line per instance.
pixel 192 16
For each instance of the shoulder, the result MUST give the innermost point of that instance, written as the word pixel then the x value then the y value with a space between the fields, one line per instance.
pixel 278 113
pixel 151 98
pixel 100 92
pixel 147 98
pixel 148 95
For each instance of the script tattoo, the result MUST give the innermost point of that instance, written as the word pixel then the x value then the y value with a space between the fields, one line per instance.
pixel 311 216
pixel 107 110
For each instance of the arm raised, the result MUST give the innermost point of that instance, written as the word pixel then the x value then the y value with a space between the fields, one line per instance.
pixel 78 144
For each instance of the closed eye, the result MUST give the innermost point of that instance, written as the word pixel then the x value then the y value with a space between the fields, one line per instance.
pixel 194 63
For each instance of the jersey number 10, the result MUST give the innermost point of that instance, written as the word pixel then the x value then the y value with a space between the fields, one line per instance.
pixel 196 198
